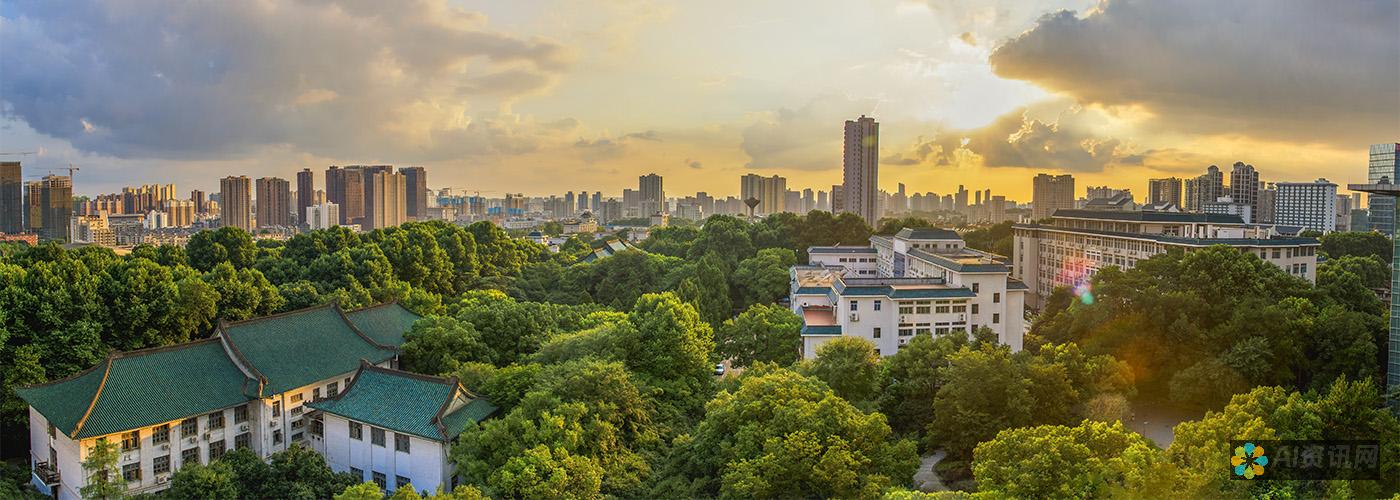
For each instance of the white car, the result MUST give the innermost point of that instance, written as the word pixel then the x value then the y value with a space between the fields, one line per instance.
pixel 719 369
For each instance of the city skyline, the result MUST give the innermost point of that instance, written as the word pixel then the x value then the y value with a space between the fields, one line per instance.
pixel 987 95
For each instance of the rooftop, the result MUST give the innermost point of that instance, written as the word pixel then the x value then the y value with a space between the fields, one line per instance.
pixel 1139 216
pixel 428 407
pixel 1178 240
pixel 927 234
pixel 276 346
pixel 841 249
pixel 385 324
pixel 966 262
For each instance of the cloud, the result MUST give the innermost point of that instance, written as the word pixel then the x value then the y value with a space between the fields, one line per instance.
pixel 1018 140
pixel 1314 71
pixel 806 138
pixel 695 164
pixel 608 148
pixel 197 80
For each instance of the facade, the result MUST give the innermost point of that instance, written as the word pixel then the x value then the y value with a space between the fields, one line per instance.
pixel 56 204
pixel 926 282
pixel 396 428
pixel 1383 167
pixel 1244 185
pixel 274 207
pixel 1205 188
pixel 247 386
pixel 345 187
pixel 1309 205
pixel 306 193
pixel 1226 205
pixel 651 195
pixel 1268 204
pixel 1388 189
pixel 860 169
pixel 12 198
pixel 236 200
pixel 415 192
pixel 1076 244
pixel 769 191
pixel 385 195
pixel 1049 193
pixel 1167 190
pixel 323 216
pixel 181 212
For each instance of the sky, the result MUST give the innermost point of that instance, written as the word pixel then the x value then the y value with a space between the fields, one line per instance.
pixel 547 96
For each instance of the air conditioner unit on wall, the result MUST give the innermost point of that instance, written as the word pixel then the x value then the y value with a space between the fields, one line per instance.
pixel 193 440
pixel 855 316
pixel 243 428
pixel 161 479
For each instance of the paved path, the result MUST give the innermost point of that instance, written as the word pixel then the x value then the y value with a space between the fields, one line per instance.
pixel 926 479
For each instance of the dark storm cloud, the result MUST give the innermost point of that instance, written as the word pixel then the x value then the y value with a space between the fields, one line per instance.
pixel 1016 140
pixel 1320 71
pixel 191 80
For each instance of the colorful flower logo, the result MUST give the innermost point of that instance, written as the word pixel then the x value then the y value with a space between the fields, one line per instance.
pixel 1249 461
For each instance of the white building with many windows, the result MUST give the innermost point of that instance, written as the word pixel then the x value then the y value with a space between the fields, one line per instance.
pixel 1309 205
pixel 247 386
pixel 1076 244
pixel 925 282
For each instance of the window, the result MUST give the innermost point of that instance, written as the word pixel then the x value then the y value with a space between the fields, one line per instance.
pixel 1277 253
pixel 358 473
pixel 906 309
pixel 400 482
pixel 379 479
pixel 190 456
pixel 317 428
pixel 996 318
pixel 296 411
pixel 357 431
pixel 131 440
pixel 132 472
pixel 276 408
pixel 347 382
pixel 296 398
pixel 877 332
pixel 277 436
pixel 877 304
pixel 333 390
pixel 298 423
pixel 316 394
pixel 189 427
pixel 240 414
pixel 942 309
pixel 401 442
pixel 976 288
pixel 216 450
pixel 376 436
pixel 161 465
pixel 922 309
pixel 216 420
pixel 297 437
pixel 974 309
pixel 854 307
pixel 244 440
pixel 996 297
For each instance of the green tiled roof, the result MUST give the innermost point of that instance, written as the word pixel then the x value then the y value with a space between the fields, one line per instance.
pixel 812 290
pixel 384 323
pixel 932 293
pixel 297 348
pixel 821 330
pixel 959 267
pixel 142 388
pixel 406 402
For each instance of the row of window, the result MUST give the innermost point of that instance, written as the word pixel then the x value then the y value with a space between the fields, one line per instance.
pixel 380 479
pixel 189 428
pixel 161 464
pixel 376 437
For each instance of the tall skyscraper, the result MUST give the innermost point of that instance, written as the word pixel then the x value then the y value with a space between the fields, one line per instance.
pixel 1050 193
pixel 306 193
pixel 1203 189
pixel 34 206
pixel 1311 205
pixel 345 187
pixel 11 197
pixel 416 192
pixel 274 207
pixel 822 202
pixel 1383 168
pixel 236 202
pixel 385 197
pixel 1244 185
pixel 860 169
pixel 597 202
pixel 57 205
pixel 1166 190
pixel 197 197
pixel 838 198
pixel 769 191
pixel 809 201
pixel 653 194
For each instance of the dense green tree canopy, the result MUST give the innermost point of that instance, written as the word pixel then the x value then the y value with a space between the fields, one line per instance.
pixel 768 333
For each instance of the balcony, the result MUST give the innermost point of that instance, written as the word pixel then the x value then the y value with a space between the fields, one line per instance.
pixel 45 477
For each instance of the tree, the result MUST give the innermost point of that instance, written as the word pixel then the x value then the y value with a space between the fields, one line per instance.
pixel 104 478
pixel 763 279
pixel 911 379
pixel 768 333
pixel 670 347
pixel 242 293
pixel 708 290
pixel 231 245
pixel 781 434
pixel 299 472
pixel 850 367
pixel 984 392
pixel 363 491
pixel 1337 245
pixel 1090 460
pixel 544 473
pixel 891 225
pixel 439 345
pixel 195 480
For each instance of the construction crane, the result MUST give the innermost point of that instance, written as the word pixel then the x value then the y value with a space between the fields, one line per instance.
pixel 18 153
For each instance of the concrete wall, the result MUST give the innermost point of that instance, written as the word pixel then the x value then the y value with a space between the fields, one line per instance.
pixel 426 464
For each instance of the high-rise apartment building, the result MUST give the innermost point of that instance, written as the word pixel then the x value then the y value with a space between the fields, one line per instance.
pixel 1268 203
pixel 11 198
pixel 274 207
pixel 1383 167
pixel 181 212
pixel 56 204
pixel 860 169
pixel 1310 205
pixel 652 195
pixel 838 199
pixel 769 191
pixel 1050 193
pixel 1166 190
pixel 1244 185
pixel 322 216
pixel 1206 188
pixel 385 196
pixel 416 192
pixel 345 187
pixel 306 192
pixel 197 197
pixel 236 202
pixel 34 206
